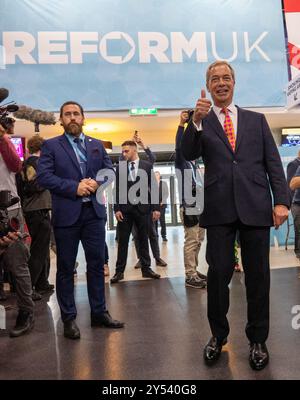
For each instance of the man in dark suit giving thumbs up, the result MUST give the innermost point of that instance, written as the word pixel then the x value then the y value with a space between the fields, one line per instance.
pixel 242 164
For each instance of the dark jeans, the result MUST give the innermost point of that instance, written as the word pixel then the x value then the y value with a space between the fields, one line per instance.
pixel 255 247
pixel 162 221
pixel 39 226
pixel 90 230
pixel 295 208
pixel 15 259
pixel 125 228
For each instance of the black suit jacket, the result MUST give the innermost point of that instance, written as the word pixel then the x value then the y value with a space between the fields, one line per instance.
pixel 124 204
pixel 238 184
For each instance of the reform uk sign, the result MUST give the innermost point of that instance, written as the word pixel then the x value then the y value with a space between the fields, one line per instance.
pixel 293 92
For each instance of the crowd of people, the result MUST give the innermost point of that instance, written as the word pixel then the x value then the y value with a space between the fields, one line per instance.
pixel 242 170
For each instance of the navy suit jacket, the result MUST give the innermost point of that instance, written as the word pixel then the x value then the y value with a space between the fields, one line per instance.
pixel 59 172
pixel 291 170
pixel 238 184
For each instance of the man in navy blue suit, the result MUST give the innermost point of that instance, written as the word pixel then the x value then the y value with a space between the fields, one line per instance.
pixel 68 167
pixel 242 164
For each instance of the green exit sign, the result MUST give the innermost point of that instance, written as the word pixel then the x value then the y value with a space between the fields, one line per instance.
pixel 143 111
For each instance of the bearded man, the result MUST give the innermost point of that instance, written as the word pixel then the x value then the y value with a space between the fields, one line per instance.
pixel 68 167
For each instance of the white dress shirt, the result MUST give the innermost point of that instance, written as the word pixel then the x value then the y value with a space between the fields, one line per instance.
pixel 136 167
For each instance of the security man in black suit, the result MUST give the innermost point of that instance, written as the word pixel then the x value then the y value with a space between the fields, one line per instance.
pixel 241 163
pixel 133 206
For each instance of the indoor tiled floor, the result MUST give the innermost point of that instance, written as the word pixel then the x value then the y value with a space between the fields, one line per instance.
pixel 166 327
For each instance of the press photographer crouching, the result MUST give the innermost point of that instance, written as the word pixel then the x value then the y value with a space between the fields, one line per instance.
pixel 13 253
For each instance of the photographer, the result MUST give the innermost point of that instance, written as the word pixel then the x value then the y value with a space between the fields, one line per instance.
pixel 13 164
pixel 15 254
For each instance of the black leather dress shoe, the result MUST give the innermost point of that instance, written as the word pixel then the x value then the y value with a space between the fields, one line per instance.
pixel 148 273
pixel 118 276
pixel 138 265
pixel 160 262
pixel 259 356
pixel 213 349
pixel 24 324
pixel 106 320
pixel 71 330
pixel 48 288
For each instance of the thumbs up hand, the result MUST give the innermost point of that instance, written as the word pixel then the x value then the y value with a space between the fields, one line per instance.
pixel 202 108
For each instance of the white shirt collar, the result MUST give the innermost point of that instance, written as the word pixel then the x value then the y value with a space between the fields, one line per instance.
pixel 136 162
pixel 231 108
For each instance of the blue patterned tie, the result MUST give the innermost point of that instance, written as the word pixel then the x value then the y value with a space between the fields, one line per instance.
pixel 82 154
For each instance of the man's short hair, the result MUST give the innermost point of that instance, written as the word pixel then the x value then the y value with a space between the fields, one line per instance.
pixel 216 64
pixel 129 143
pixel 67 103
pixel 34 144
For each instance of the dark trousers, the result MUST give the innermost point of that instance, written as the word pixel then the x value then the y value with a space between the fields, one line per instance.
pixel 295 208
pixel 106 255
pixel 15 260
pixel 153 239
pixel 39 226
pixel 255 247
pixel 90 230
pixel 125 227
pixel 1 274
pixel 162 221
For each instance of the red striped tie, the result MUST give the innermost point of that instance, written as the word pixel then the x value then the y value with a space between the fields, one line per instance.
pixel 229 128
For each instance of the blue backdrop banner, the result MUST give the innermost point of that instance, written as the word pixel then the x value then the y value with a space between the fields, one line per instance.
pixel 120 54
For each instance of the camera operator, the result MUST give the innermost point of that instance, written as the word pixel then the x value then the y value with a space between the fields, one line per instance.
pixel 15 254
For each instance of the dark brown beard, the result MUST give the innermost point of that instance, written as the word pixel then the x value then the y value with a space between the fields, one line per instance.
pixel 73 129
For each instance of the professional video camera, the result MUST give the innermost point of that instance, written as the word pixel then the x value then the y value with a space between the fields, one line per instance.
pixel 7 224
pixel 7 108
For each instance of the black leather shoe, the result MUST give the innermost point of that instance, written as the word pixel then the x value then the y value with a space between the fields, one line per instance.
pixel 161 263
pixel 106 320
pixel 138 265
pixel 118 276
pixel 48 288
pixel 24 324
pixel 259 356
pixel 148 273
pixel 213 349
pixel 71 330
